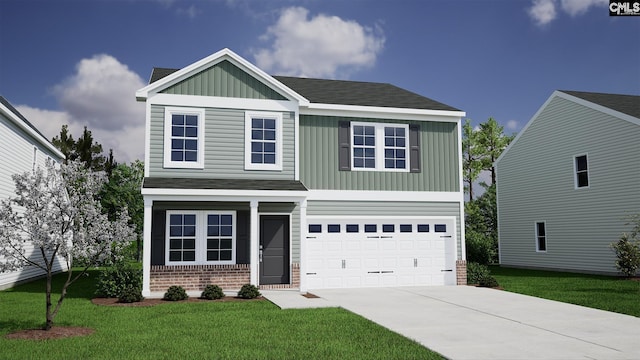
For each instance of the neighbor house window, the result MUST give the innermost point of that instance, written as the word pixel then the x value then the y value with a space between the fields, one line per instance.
pixel 581 167
pixel 263 141
pixel 541 237
pixel 183 138
pixel 200 237
pixel 380 147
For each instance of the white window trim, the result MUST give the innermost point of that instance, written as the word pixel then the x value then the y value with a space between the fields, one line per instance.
pixel 575 173
pixel 201 237
pixel 168 163
pixel 546 236
pixel 248 165
pixel 379 134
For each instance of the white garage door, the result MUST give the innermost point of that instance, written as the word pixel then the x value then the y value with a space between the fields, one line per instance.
pixel 376 252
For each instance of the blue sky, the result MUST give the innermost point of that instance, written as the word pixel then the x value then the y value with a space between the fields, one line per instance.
pixel 80 62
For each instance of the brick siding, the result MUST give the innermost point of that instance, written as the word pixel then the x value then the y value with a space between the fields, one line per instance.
pixel 461 272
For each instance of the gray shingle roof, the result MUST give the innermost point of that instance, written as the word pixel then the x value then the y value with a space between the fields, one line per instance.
pixel 6 103
pixel 626 104
pixel 222 184
pixel 344 92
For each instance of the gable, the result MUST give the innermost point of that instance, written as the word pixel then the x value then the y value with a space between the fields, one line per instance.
pixel 225 80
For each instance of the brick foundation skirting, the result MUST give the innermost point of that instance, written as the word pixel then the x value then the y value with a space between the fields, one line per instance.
pixel 196 277
pixel 461 272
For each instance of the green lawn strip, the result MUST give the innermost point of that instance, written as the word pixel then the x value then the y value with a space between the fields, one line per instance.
pixel 595 291
pixel 205 330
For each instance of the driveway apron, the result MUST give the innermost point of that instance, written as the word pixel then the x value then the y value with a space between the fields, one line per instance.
pixel 464 322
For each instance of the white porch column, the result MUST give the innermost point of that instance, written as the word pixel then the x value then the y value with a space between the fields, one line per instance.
pixel 254 240
pixel 146 248
pixel 303 245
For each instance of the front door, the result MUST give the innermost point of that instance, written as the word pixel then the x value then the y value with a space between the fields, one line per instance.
pixel 274 249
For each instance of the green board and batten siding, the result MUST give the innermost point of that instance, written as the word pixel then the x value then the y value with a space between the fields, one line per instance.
pixel 319 159
pixel 224 147
pixel 225 80
pixel 386 208
pixel 536 183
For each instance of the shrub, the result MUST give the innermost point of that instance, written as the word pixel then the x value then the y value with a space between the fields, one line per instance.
pixel 248 291
pixel 130 295
pixel 114 280
pixel 175 293
pixel 479 248
pixel 476 271
pixel 628 255
pixel 488 281
pixel 212 292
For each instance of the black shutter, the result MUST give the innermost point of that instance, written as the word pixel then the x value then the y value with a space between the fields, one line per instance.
pixel 344 146
pixel 158 226
pixel 414 148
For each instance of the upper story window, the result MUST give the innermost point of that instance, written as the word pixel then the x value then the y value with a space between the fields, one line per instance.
pixel 183 138
pixel 263 141
pixel 581 167
pixel 380 147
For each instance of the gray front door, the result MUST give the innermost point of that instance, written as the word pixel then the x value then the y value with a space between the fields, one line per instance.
pixel 274 249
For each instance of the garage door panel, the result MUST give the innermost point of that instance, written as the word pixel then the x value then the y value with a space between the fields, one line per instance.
pixel 400 252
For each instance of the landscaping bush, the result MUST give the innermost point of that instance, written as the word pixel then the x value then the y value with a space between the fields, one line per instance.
pixel 212 292
pixel 488 281
pixel 249 291
pixel 114 280
pixel 628 255
pixel 480 248
pixel 476 271
pixel 130 295
pixel 175 293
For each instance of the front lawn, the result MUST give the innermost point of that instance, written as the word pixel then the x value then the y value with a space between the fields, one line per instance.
pixel 599 292
pixel 206 330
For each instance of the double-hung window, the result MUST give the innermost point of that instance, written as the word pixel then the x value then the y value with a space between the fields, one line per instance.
pixel 379 147
pixel 263 141
pixel 541 236
pixel 581 168
pixel 200 237
pixel 183 138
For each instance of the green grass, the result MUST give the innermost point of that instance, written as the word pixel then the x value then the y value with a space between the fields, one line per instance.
pixel 205 330
pixel 599 292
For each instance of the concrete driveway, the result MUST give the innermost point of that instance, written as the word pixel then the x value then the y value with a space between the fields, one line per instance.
pixel 464 322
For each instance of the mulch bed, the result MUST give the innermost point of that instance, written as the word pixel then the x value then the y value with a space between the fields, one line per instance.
pixel 310 296
pixel 154 302
pixel 56 332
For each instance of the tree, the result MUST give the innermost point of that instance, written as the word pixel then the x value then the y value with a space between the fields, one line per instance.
pixel 492 142
pixel 123 190
pixel 57 211
pixel 481 227
pixel 84 149
pixel 65 143
pixel 472 157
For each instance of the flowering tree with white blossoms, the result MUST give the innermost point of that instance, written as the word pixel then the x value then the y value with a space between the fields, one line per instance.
pixel 56 214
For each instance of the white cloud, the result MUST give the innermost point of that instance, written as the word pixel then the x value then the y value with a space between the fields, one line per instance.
pixel 544 11
pixel 321 46
pixel 100 96
pixel 512 125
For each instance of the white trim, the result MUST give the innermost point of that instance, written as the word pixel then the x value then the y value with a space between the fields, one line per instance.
pixel 535 231
pixel 200 237
pixel 379 147
pixel 463 239
pixel 211 60
pixel 254 242
pixel 379 112
pixel 168 163
pixel 147 139
pixel 575 173
pixel 146 248
pixel 225 195
pixel 30 131
pixel 222 102
pixel 361 195
pixel 248 117
pixel 303 247
pixel 296 146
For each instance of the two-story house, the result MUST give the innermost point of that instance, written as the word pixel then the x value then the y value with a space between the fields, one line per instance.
pixel 287 182
pixel 22 148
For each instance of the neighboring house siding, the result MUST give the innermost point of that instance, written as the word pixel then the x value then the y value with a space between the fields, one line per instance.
pixel 319 158
pixel 224 147
pixel 226 80
pixel 536 183
pixel 17 156
pixel 384 208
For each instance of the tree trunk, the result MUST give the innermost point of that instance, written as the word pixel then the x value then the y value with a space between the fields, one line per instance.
pixel 49 322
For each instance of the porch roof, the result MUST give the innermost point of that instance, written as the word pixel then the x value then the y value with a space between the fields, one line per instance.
pixel 222 184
